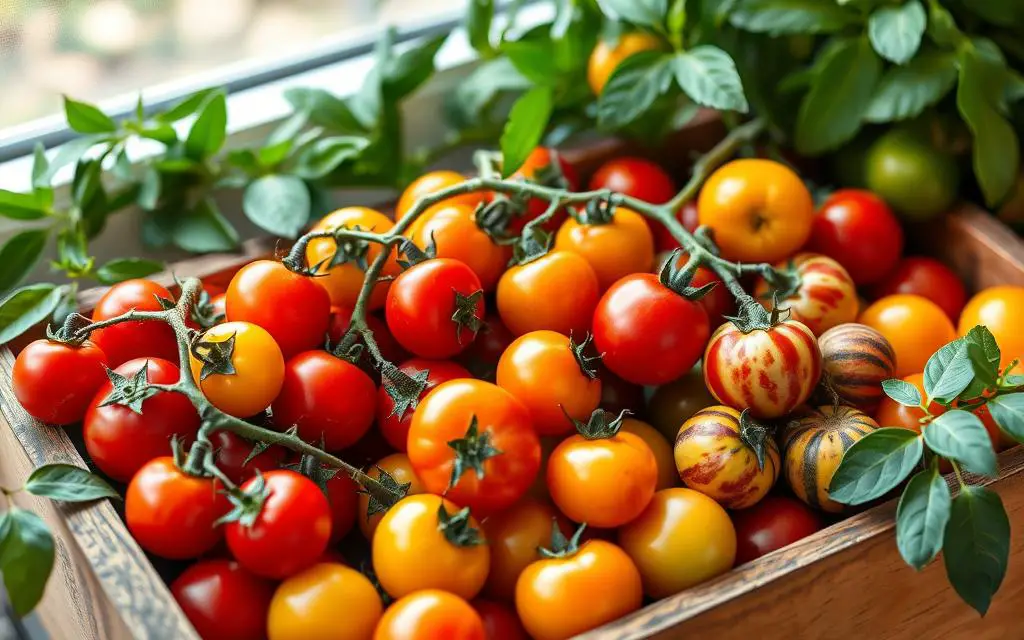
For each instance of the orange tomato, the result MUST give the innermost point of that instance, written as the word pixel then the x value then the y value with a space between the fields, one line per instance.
pixel 258 370
pixel 433 182
pixel 660 447
pixel 915 327
pixel 399 467
pixel 606 57
pixel 557 291
pixel 454 231
pixel 759 210
pixel 430 614
pixel 344 281
pixel 513 536
pixel 1001 309
pixel 304 606
pixel 614 249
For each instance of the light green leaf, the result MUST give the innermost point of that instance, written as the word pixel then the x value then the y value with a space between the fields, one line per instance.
pixel 921 518
pixel 19 255
pixel 896 32
pixel 977 545
pixel 1008 412
pixel 905 92
pixel 40 167
pixel 534 59
pixel 26 557
pixel 278 204
pixel 789 17
pixel 87 118
pixel 902 392
pixel 633 88
pixel 948 371
pixel 121 269
pixel 21 206
pixel 645 13
pixel 187 106
pixel 327 154
pixel 875 464
pixel 960 436
pixel 708 75
pixel 68 483
pixel 478 25
pixel 209 131
pixel 526 124
pixel 25 307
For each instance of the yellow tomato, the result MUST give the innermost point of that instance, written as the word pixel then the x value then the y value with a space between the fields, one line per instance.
pixel 399 467
pixel 660 447
pixel 258 369
pixel 915 327
pixel 606 57
pixel 305 606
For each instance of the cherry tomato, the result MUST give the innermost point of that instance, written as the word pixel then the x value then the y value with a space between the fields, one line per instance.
pixel 557 291
pixel 660 447
pixel 305 606
pixel 687 215
pixel 928 278
pixel 915 327
pixel 119 440
pixel 310 400
pixel 430 183
pixel 171 514
pixel 471 420
pixel 674 403
pixel 482 355
pixel 139 339
pixel 455 234
pixel 617 394
pixel 648 333
pixel 435 308
pixel 514 537
pixel 231 453
pixel 54 381
pixel 605 57
pixel 223 601
pixel 396 427
pixel 430 614
pixel 425 542
pixel 918 180
pixel 637 177
pixel 545 167
pixel 343 496
pixel 539 488
pixel 500 621
pixel 859 231
pixel 683 538
pixel 759 210
pixel 291 530
pixel 397 465
pixel 615 249
pixel 825 297
pixel 1001 309
pixel 772 523
pixel 257 363
pixel 292 307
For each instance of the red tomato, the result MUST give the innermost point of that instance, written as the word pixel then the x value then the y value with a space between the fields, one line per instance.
pixel 120 440
pixel 396 428
pixel 223 601
pixel 231 452
pixel 291 531
pixel 635 177
pixel 172 514
pixel 129 340
pixel 927 278
pixel 482 355
pixel 774 522
pixel 54 382
pixel 649 334
pixel 500 621
pixel 859 231
pixel 293 308
pixel 718 302
pixel 540 168
pixel 435 308
pixel 687 215
pixel 389 347
pixel 326 397
pixel 343 496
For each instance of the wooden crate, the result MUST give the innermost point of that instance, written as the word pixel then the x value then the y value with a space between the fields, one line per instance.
pixel 846 578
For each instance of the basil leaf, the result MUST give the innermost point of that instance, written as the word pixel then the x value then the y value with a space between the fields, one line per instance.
pixel 26 557
pixel 977 545
pixel 68 483
pixel 708 75
pixel 948 371
pixel 21 206
pixel 203 230
pixel 209 131
pixel 644 13
pixel 790 17
pixel 905 92
pixel 278 204
pixel 324 108
pixel 633 88
pixel 902 392
pixel 25 307
pixel 19 255
pixel 475 93
pixel 1008 412
pixel 875 464
pixel 526 124
pixel 478 25
pixel 87 118
pixel 896 32
pixel 960 436
pixel 534 59
pixel 403 74
pixel 123 269
pixel 326 154
pixel 921 518
pixel 187 106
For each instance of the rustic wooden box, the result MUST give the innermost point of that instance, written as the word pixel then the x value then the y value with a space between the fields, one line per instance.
pixel 846 579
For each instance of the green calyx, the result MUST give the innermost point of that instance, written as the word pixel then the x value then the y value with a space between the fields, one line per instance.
pixel 677 279
pixel 783 283
pixel 457 528
pixel 216 356
pixel 411 255
pixel 754 435
pixel 562 547
pixel 597 211
pixel 533 244
pixel 348 249
pixel 494 217
pixel 70 331
pixel 403 388
pixel 601 424
pixel 588 362
pixel 471 452
pixel 752 316
pixel 203 311
pixel 393 492
pixel 129 392
pixel 247 504
pixel 310 467
pixel 465 315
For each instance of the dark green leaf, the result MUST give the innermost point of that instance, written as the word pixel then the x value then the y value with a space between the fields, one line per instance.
pixel 86 118
pixel 478 24
pixel 645 13
pixel 278 204
pixel 633 88
pixel 19 255
pixel 534 59
pixel 122 269
pixel 324 109
pixel 985 355
pixel 875 464
pixel 40 167
pixel 26 557
pixel 977 545
pixel 149 189
pixel 187 106
pixel 708 75
pixel 948 371
pixel 25 307
pixel 526 124
pixel 960 436
pixel 326 154
pixel 203 230
pixel 999 12
pixel 905 92
pixel 782 17
pixel 921 518
pixel 405 73
pixel 20 206
pixel 1008 412
pixel 208 132
pixel 902 392
pixel 896 32
pixel 68 483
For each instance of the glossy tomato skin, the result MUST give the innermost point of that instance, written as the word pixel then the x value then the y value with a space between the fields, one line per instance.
pixel 171 514
pixel 120 441
pixel 513 537
pixel 683 538
pixel 827 296
pixel 399 467
pixel 445 415
pixel 1001 309
pixel 293 308
pixel 231 453
pixel 223 601
pixel 259 370
pixel 660 447
pixel 649 334
pixel 926 277
pixel 842 229
pixel 557 291
pixel 541 370
pixel 305 606
pixel 456 235
pixel 396 429
pixel 771 372
pixel 544 166
pixel 615 249
pixel 773 523
pixel 291 531
pixel 54 382
pixel 422 303
pixel 430 614
pixel 561 597
pixel 637 177
pixel 432 182
pixel 606 57
pixel 914 326
pixel 310 398
pixel 500 621
pixel 411 551
pixel 343 498
pixel 129 340
pixel 219 304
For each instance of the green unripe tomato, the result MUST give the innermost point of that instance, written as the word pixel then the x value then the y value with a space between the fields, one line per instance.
pixel 918 181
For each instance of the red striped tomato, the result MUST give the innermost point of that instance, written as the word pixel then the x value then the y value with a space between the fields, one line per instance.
pixel 825 297
pixel 769 371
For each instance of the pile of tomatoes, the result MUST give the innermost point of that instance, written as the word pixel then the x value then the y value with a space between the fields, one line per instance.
pixel 521 430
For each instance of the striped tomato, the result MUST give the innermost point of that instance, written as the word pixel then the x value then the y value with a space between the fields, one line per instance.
pixel 824 295
pixel 857 358
pixel 769 371
pixel 814 445
pixel 716 453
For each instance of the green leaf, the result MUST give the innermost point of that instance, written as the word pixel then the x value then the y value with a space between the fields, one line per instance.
pixel 905 92
pixel 203 230
pixel 896 32
pixel 478 25
pixel 122 269
pixel 25 307
pixel 26 557
pixel 466 104
pixel 40 167
pixel 68 483
pixel 676 19
pixel 985 355
pixel 187 106
pixel 20 206
pixel 902 392
pixel 977 545
pixel 19 255
pixel 960 436
pixel 1008 412
pixel 789 17
pixel 534 59
pixel 633 88
pixel 162 132
pixel 948 371
pixel 281 139
pixel 526 124
pixel 402 75
pixel 324 108
pixel 645 13
pixel 86 118
pixel 875 464
pixel 831 112
pixel 72 152
pixel 921 518
pixel 208 132
pixel 708 75
pixel 278 204
pixel 149 189
pixel 326 154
